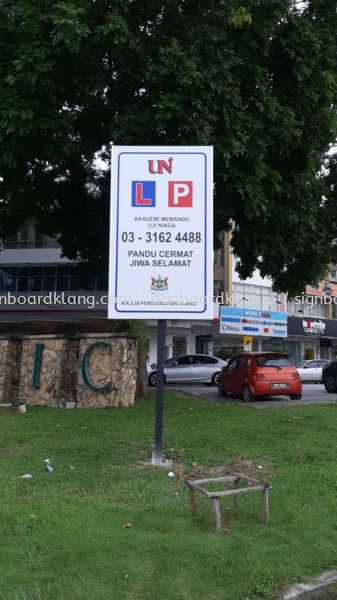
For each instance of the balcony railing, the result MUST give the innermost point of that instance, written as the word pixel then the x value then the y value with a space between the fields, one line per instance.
pixel 12 244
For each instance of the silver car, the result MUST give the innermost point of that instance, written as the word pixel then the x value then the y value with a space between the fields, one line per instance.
pixel 311 370
pixel 190 368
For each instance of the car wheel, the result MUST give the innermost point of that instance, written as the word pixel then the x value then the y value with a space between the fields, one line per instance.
pixel 221 391
pixel 215 378
pixel 153 379
pixel 330 384
pixel 247 394
pixel 296 397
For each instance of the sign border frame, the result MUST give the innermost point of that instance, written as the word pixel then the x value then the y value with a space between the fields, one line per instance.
pixel 148 150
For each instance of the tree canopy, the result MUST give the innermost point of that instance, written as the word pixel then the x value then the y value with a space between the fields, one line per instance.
pixel 254 78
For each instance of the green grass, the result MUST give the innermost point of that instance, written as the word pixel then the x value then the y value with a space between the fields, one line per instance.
pixel 62 534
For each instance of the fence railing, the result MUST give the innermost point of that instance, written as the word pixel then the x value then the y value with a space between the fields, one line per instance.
pixel 29 244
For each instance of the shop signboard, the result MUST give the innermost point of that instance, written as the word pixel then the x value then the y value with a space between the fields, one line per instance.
pixel 252 322
pixel 312 326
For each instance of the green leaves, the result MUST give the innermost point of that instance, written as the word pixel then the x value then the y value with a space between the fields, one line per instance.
pixel 70 27
pixel 257 81
pixel 240 16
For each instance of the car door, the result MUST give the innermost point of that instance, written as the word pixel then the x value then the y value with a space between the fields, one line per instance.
pixel 181 370
pixel 203 369
pixel 228 376
pixel 312 371
pixel 240 374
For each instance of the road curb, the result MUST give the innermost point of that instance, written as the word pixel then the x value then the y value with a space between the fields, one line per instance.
pixel 321 588
pixel 199 396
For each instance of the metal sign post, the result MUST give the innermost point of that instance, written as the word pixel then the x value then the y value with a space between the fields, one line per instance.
pixel 161 242
pixel 158 439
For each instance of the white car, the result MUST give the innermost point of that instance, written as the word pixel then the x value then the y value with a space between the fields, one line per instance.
pixel 190 368
pixel 311 370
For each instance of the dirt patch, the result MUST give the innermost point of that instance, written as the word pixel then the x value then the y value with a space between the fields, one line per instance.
pixel 244 465
pixel 241 465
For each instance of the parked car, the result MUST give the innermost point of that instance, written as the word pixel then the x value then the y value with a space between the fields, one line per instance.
pixel 329 376
pixel 311 370
pixel 190 368
pixel 255 374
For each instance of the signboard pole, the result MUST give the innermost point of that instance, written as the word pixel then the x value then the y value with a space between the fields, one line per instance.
pixel 158 442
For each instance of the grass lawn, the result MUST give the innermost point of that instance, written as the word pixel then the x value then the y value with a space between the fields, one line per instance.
pixel 63 535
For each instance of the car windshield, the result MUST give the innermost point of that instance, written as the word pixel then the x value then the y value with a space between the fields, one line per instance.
pixel 273 361
pixel 300 364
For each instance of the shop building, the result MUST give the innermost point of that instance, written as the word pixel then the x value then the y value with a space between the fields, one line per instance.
pixel 31 263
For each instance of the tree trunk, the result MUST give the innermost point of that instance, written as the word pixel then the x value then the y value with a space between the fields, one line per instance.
pixel 142 388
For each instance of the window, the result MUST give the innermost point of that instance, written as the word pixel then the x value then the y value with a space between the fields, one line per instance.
pixel 272 361
pixel 334 307
pixel 232 364
pixel 254 296
pixel 242 362
pixel 257 300
pixel 27 237
pixel 202 360
pixel 219 255
pixel 49 284
pixel 185 360
pixel 35 284
pixel 218 287
pixel 7 280
pixel 62 284
pixel 312 306
pixel 23 284
pixel 62 278
pixel 74 284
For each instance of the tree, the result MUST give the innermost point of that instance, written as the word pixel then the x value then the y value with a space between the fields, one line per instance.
pixel 257 80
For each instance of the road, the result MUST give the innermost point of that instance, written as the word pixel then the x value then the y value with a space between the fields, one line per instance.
pixel 312 394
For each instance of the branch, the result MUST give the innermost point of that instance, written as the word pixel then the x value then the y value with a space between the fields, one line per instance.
pixel 98 184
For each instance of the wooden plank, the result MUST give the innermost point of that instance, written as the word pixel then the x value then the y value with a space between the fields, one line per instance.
pixel 265 505
pixel 256 488
pixel 236 485
pixel 193 501
pixel 217 515
pixel 214 480
pixel 198 488
pixel 246 478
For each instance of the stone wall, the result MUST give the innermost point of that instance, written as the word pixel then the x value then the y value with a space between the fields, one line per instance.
pixel 119 366
pixel 52 374
pixel 111 359
pixel 10 351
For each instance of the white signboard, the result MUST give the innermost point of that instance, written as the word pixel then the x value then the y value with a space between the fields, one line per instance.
pixel 161 233
pixel 252 322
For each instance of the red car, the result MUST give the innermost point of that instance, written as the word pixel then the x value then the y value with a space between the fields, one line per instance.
pixel 254 374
